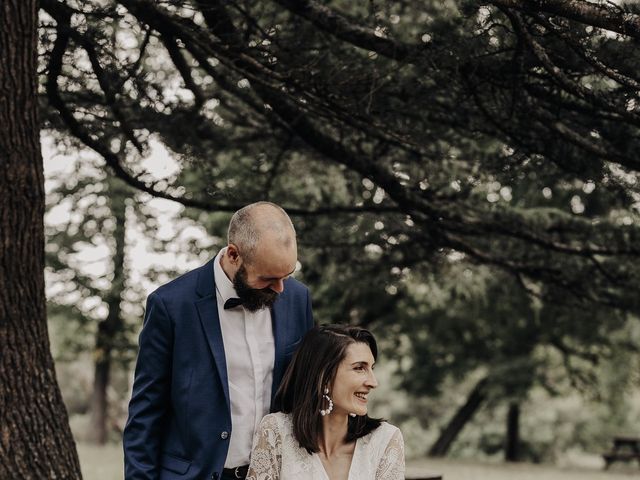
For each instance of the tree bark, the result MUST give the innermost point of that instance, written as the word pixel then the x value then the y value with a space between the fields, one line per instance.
pixel 109 328
pixel 35 439
pixel 512 440
pixel 459 420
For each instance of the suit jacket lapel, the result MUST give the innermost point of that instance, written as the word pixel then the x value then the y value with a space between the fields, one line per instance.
pixel 207 308
pixel 279 322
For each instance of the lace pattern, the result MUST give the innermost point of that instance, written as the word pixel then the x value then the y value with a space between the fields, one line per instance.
pixel 391 466
pixel 266 455
pixel 277 455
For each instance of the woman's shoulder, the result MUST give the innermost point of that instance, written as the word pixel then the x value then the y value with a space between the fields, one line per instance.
pixel 384 433
pixel 279 420
pixel 378 450
pixel 388 428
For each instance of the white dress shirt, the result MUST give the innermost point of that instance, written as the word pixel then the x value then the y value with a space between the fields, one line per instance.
pixel 249 351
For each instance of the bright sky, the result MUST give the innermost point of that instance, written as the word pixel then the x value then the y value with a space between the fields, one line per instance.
pixel 140 255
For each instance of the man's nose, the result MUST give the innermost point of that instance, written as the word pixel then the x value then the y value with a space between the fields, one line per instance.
pixel 277 286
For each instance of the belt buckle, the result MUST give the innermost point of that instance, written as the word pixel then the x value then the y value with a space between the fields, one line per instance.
pixel 235 472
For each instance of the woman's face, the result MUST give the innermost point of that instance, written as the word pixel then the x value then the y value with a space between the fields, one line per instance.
pixel 353 381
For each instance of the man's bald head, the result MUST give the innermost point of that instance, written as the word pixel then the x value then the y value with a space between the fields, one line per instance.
pixel 258 224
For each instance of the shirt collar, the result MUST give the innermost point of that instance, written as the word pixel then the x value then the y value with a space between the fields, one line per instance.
pixel 224 286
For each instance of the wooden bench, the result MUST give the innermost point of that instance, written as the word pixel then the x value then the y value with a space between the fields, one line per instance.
pixel 625 449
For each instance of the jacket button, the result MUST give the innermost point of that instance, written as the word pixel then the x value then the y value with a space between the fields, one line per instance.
pixel 215 476
pixel 224 435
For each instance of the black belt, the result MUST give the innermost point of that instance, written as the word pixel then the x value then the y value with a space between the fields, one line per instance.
pixel 236 472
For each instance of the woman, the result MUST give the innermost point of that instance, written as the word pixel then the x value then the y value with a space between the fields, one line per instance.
pixel 322 431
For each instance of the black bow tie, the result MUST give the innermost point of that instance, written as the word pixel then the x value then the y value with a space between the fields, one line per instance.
pixel 232 303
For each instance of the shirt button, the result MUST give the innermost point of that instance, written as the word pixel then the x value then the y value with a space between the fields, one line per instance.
pixel 224 435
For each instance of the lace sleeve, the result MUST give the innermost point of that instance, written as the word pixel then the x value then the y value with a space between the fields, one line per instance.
pixel 266 455
pixel 391 465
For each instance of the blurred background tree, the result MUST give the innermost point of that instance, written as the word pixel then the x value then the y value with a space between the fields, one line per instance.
pixel 85 308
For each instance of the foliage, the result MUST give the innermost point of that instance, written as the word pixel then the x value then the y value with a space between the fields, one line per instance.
pixel 80 255
pixel 448 110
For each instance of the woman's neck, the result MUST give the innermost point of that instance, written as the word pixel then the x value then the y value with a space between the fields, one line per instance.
pixel 334 432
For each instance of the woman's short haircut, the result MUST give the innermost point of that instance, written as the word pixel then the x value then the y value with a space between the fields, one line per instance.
pixel 313 367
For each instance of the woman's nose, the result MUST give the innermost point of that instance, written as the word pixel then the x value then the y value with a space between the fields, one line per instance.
pixel 371 380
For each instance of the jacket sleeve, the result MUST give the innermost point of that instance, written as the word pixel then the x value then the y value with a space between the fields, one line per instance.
pixel 150 399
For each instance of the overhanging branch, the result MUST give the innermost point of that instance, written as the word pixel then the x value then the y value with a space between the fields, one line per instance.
pixel 341 27
pixel 601 15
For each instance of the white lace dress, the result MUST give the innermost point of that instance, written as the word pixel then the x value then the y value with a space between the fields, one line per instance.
pixel 277 455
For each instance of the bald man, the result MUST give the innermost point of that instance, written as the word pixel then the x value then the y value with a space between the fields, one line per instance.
pixel 213 348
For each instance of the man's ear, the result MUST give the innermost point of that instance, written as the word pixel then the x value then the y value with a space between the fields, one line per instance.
pixel 233 254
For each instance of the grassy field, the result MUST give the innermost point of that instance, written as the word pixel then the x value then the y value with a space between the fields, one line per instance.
pixel 101 463
pixel 105 463
pixel 463 470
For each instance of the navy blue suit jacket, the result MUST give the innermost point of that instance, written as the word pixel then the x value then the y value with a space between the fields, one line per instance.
pixel 179 416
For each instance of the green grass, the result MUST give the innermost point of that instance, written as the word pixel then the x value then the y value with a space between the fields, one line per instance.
pixel 469 470
pixel 105 463
pixel 101 463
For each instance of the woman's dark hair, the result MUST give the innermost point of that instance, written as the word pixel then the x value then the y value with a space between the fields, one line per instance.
pixel 313 367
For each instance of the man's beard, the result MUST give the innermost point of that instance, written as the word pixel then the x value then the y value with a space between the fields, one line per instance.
pixel 253 299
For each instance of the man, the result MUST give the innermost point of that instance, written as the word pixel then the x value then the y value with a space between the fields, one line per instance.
pixel 213 349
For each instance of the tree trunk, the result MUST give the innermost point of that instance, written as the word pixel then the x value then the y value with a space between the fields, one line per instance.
pixel 109 328
pixel 99 402
pixel 512 441
pixel 35 439
pixel 459 420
